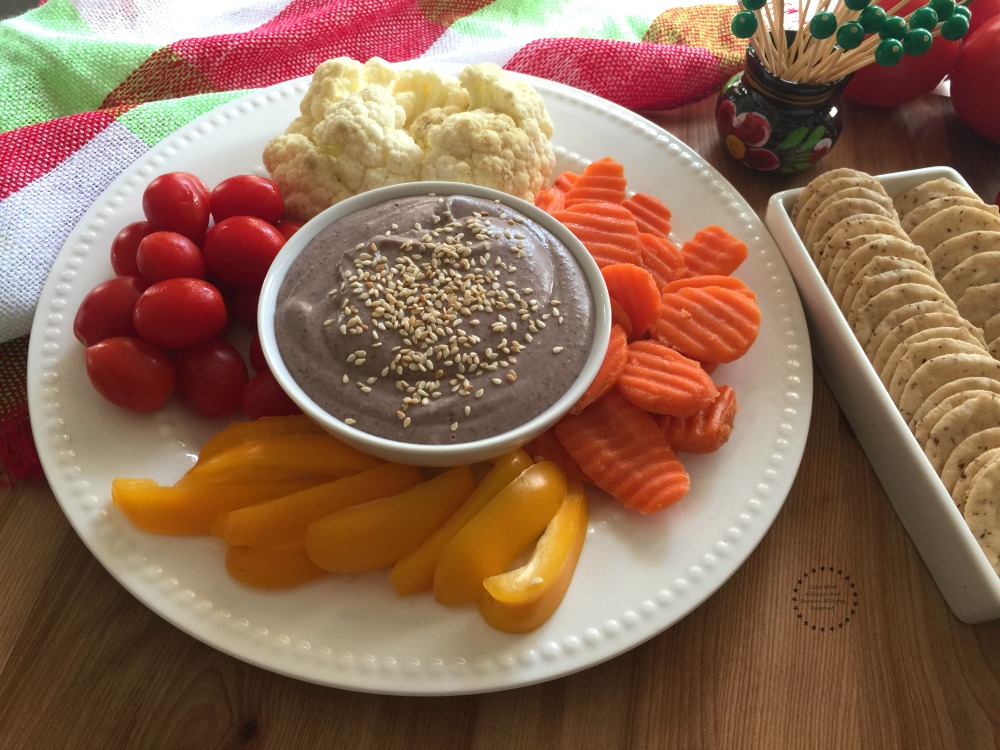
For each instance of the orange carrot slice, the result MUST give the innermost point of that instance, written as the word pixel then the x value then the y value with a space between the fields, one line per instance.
pixel 624 452
pixel 635 289
pixel 607 230
pixel 707 430
pixel 565 180
pixel 609 371
pixel 550 199
pixel 662 258
pixel 602 181
pixel 713 250
pixel 728 282
pixel 661 380
pixel 708 323
pixel 651 214
pixel 620 317
pixel 546 447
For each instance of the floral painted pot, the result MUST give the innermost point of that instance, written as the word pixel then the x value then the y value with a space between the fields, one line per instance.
pixel 774 125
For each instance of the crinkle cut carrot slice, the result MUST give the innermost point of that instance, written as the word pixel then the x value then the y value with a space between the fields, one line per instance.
pixel 651 214
pixel 661 380
pixel 635 289
pixel 624 452
pixel 546 447
pixel 705 431
pixel 602 181
pixel 607 230
pixel 708 323
pixel 713 250
pixel 609 371
pixel 550 199
pixel 662 258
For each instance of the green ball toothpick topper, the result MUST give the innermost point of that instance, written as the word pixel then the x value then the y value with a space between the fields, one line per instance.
pixel 943 8
pixel 955 27
pixel 895 27
pixel 872 19
pixel 888 52
pixel 850 35
pixel 744 24
pixel 823 25
pixel 924 18
pixel 917 41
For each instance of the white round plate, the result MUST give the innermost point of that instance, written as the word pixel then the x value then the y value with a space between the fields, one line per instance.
pixel 637 576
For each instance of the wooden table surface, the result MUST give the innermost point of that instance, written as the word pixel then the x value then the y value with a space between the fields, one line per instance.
pixel 83 664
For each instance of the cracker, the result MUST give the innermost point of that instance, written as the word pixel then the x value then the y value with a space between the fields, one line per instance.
pixel 952 222
pixel 920 352
pixel 953 332
pixel 982 511
pixel 951 252
pixel 855 254
pixel 882 305
pixel 968 473
pixel 925 210
pixel 980 303
pixel 933 374
pixel 835 186
pixel 817 183
pixel 880 272
pixel 944 318
pixel 831 243
pixel 928 191
pixel 979 269
pixel 965 454
pixel 875 195
pixel 966 417
pixel 991 335
pixel 951 387
pixel 841 209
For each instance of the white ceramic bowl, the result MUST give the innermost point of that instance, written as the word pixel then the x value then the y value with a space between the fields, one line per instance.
pixel 439 454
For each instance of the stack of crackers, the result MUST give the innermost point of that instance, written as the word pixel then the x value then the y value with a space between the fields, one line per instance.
pixel 917 276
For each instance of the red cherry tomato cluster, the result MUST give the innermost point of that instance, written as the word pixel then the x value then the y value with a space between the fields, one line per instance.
pixel 193 265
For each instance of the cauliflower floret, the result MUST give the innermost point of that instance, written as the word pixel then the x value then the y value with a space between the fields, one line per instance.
pixel 419 91
pixel 307 175
pixel 487 149
pixel 364 126
pixel 364 133
pixel 335 80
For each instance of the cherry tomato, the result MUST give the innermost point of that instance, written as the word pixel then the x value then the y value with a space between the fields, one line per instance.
pixel 239 250
pixel 975 95
pixel 169 255
pixel 287 227
pixel 210 377
pixel 912 77
pixel 247 195
pixel 263 397
pixel 106 311
pixel 130 372
pixel 177 202
pixel 256 354
pixel 124 247
pixel 175 313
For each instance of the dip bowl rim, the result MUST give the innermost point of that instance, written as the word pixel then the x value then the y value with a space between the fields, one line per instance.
pixel 437 454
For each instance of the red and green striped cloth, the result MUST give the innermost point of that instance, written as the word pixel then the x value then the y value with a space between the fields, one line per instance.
pixel 90 85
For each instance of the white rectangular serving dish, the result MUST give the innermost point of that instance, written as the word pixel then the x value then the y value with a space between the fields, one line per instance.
pixel 929 515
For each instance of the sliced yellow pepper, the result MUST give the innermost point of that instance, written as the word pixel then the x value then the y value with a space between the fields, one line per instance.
pixel 497 534
pixel 377 533
pixel 520 600
pixel 414 572
pixel 263 427
pixel 282 457
pixel 272 566
pixel 288 516
pixel 191 509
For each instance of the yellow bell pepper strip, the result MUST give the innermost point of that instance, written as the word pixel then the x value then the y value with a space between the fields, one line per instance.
pixel 191 509
pixel 288 516
pixel 374 535
pixel 272 566
pixel 282 457
pixel 414 572
pixel 496 535
pixel 520 600
pixel 263 427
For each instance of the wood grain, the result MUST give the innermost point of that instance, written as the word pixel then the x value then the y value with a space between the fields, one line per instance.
pixel 85 665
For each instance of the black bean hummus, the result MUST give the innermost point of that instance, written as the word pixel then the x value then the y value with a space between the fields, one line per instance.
pixel 435 319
